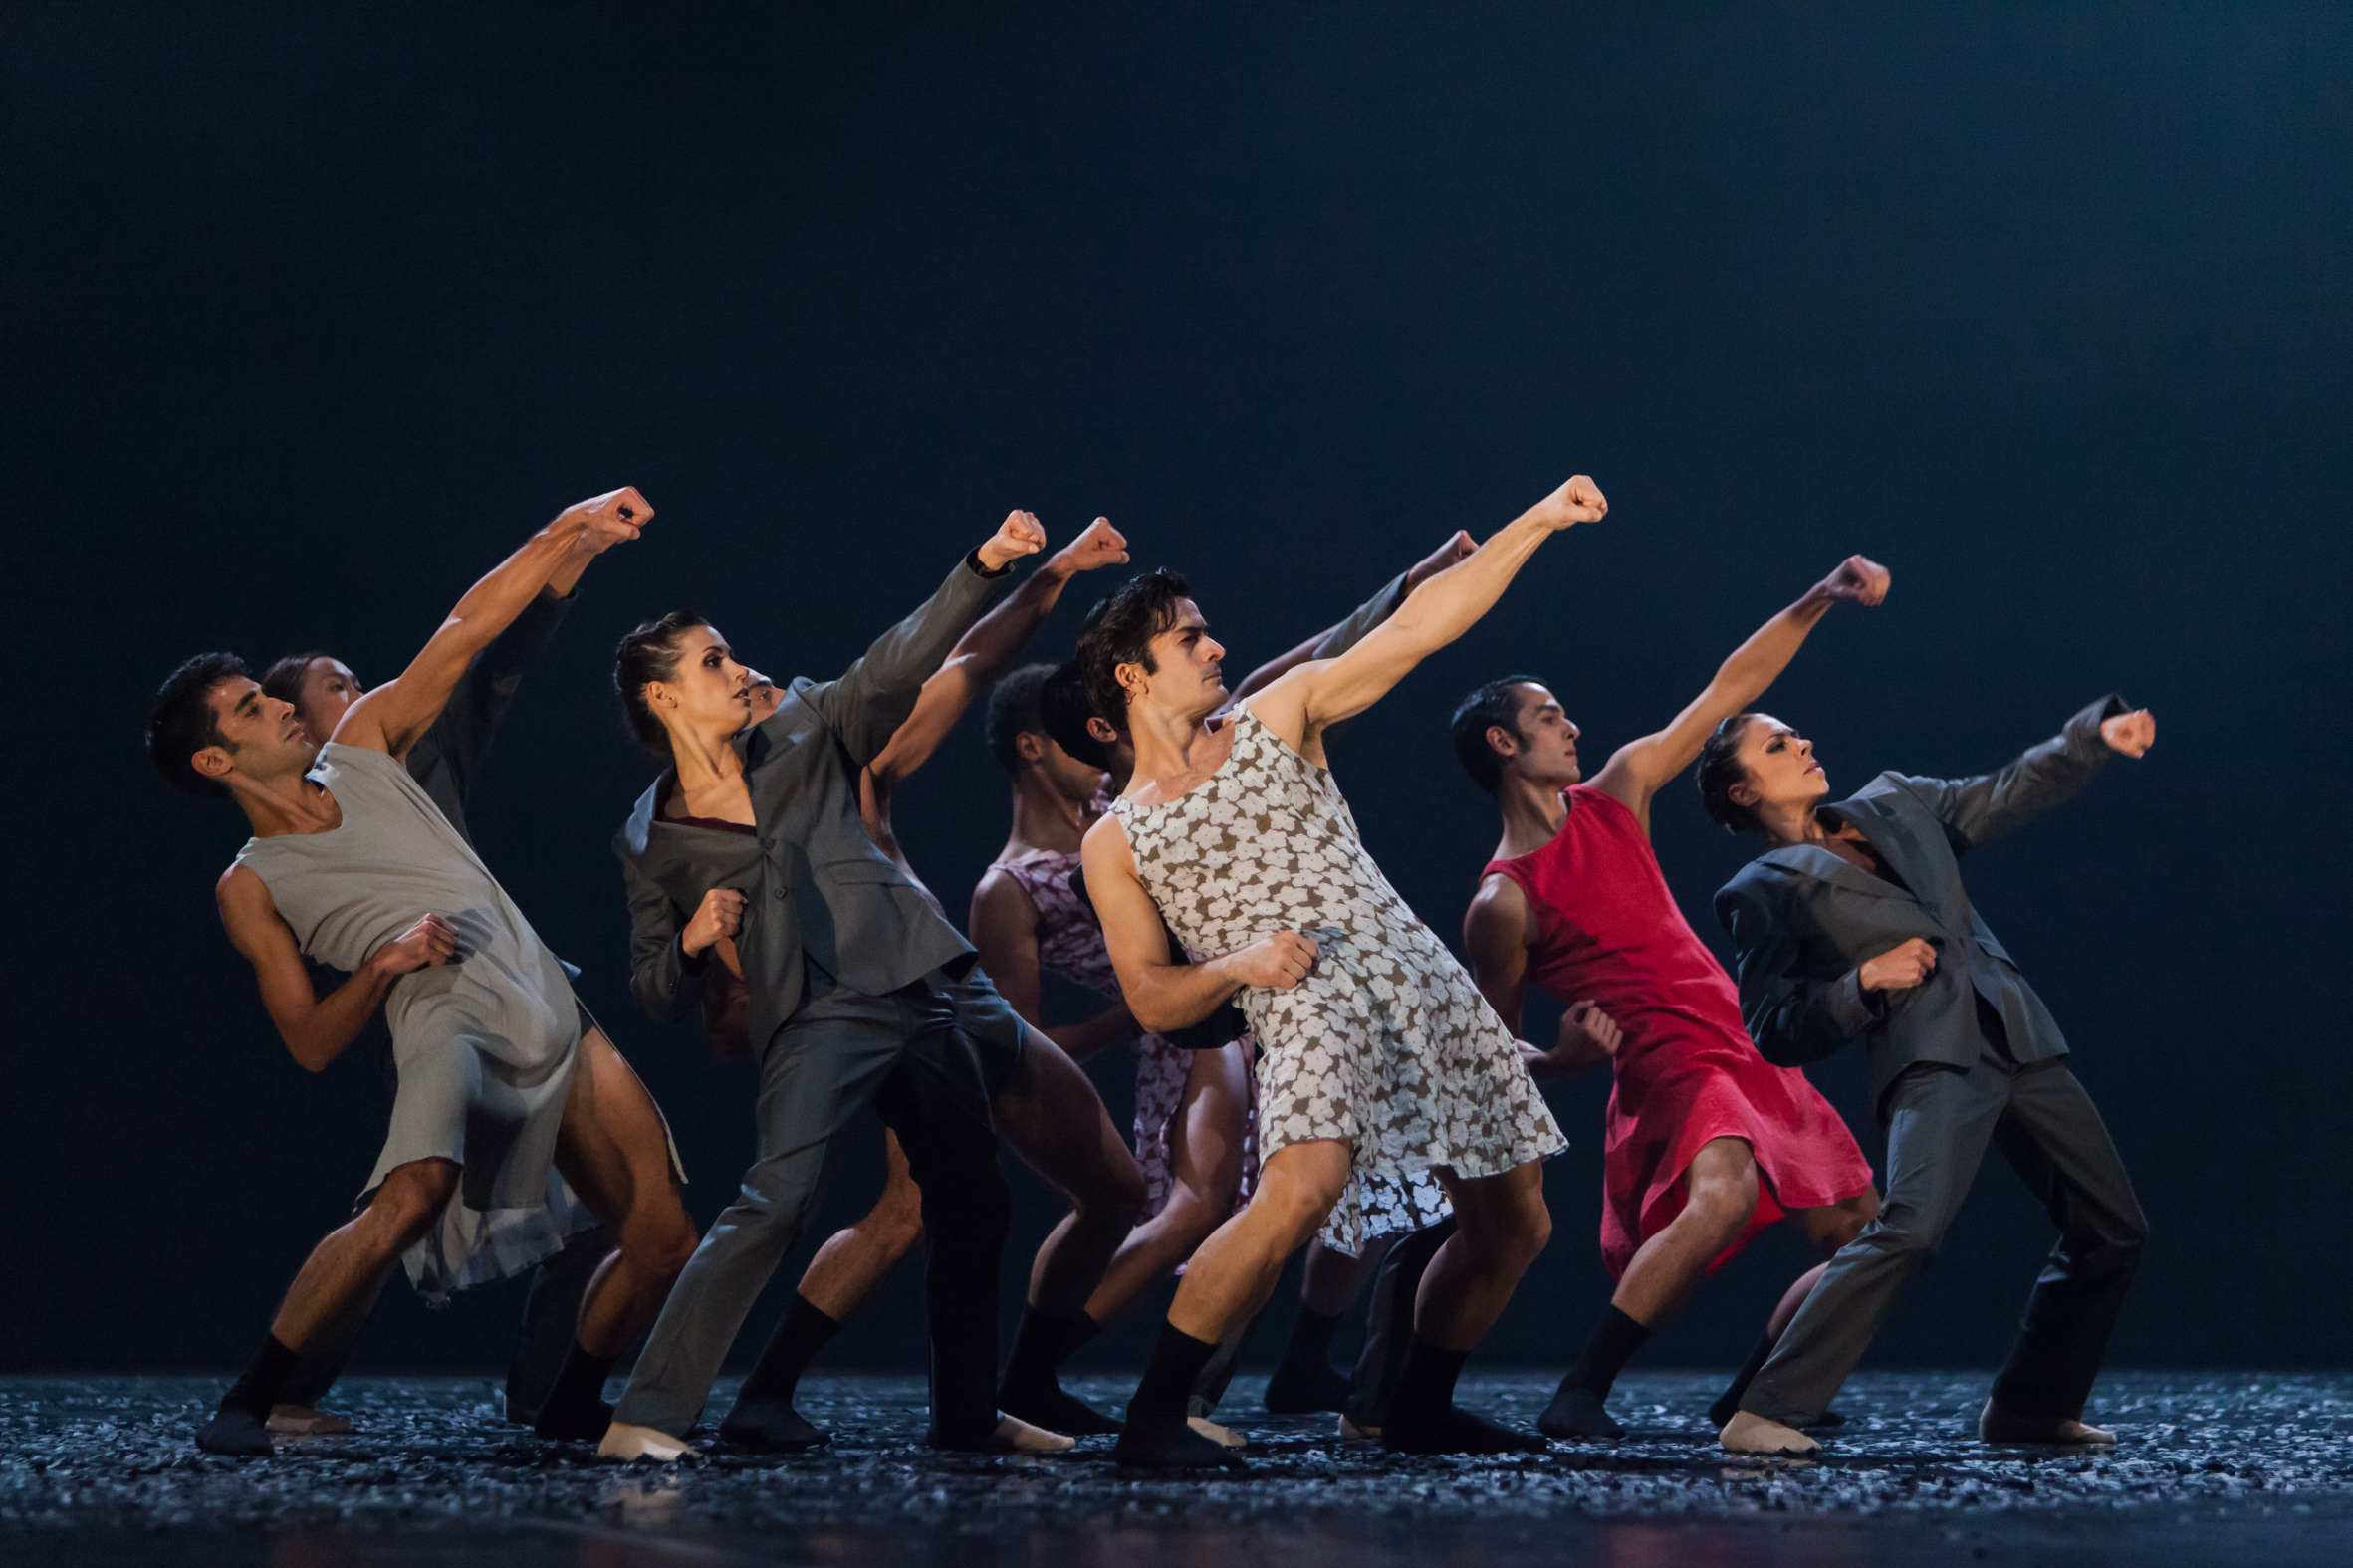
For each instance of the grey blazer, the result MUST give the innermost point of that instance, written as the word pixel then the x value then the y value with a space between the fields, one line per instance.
pixel 815 885
pixel 1802 920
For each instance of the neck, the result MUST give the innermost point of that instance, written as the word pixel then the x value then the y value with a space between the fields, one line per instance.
pixel 1165 742
pixel 1792 824
pixel 1533 812
pixel 703 760
pixel 291 804
pixel 1044 818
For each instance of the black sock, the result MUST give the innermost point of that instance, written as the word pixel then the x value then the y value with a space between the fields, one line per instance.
pixel 256 1389
pixel 1164 1394
pixel 1311 1337
pixel 1613 1343
pixel 1425 1388
pixel 1728 1404
pixel 576 1400
pixel 797 1340
pixel 1045 1341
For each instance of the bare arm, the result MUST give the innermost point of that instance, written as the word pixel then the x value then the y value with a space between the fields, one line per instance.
pixel 1494 938
pixel 1640 769
pixel 1164 993
pixel 982 653
pixel 1318 694
pixel 317 1028
pixel 391 717
pixel 1005 929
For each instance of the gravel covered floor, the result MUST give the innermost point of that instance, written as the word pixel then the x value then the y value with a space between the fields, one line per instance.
pixel 2246 1469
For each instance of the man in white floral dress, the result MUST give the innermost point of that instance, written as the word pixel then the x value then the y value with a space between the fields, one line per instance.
pixel 1388 1090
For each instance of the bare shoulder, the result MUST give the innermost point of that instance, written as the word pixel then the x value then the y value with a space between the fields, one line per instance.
pixel 242 895
pixel 362 723
pixel 1498 909
pixel 1281 704
pixel 1106 842
pixel 1000 896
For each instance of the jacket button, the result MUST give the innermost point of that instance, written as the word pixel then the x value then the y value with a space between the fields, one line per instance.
pixel 780 894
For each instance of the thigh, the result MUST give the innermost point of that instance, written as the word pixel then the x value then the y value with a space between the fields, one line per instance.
pixel 1940 1120
pixel 1055 1120
pixel 1486 1204
pixel 2054 1137
pixel 1208 1134
pixel 1722 1165
pixel 1831 1226
pixel 613 1148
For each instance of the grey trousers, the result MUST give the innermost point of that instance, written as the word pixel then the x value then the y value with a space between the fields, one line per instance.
pixel 903 1054
pixel 1940 1120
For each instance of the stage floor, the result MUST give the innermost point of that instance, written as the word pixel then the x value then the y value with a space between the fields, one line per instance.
pixel 2245 1468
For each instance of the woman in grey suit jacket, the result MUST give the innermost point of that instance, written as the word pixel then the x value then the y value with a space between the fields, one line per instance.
pixel 1855 926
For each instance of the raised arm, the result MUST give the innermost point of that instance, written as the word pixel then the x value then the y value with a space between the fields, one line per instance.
pixel 392 717
pixel 982 653
pixel 1975 810
pixel 875 696
pixel 1640 769
pixel 1005 929
pixel 1163 993
pixel 1340 637
pixel 317 1028
pixel 1321 693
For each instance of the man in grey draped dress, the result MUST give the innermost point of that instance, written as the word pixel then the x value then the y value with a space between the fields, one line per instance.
pixel 352 864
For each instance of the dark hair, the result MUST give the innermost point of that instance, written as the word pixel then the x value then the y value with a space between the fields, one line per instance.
pixel 1012 712
pixel 1718 769
pixel 1062 712
pixel 1119 630
pixel 649 653
pixel 284 679
pixel 1497 702
pixel 181 721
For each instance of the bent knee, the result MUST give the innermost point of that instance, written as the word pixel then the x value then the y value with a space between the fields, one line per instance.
pixel 410 1200
pixel 1120 1194
pixel 1724 1205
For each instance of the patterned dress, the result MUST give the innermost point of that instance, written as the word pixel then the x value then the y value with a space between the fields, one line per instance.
pixel 1386 1044
pixel 1070 943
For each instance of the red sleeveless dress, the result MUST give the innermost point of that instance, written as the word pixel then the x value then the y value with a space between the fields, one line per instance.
pixel 1609 933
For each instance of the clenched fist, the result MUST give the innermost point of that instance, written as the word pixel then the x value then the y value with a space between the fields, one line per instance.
pixel 1859 580
pixel 721 912
pixel 2130 734
pixel 429 944
pixel 1100 546
pixel 1587 1030
pixel 602 521
pixel 1578 501
pixel 1901 968
pixel 1455 551
pixel 1274 962
pixel 1019 534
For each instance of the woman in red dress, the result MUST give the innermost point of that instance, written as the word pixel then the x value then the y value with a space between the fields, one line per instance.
pixel 1707 1143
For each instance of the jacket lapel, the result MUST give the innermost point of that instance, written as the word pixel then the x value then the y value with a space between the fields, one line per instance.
pixel 1815 861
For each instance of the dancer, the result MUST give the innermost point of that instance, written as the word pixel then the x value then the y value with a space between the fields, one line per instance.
pixel 444 762
pixel 1031 915
pixel 750 848
pixel 1856 925
pixel 1387 1088
pixel 352 865
pixel 1048 1112
pixel 1707 1143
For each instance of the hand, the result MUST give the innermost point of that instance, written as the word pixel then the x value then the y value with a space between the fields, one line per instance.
pixel 1578 501
pixel 602 521
pixel 1273 963
pixel 1018 536
pixel 721 912
pixel 1900 968
pixel 429 944
pixel 1587 1031
pixel 2130 733
pixel 1100 546
pixel 1457 549
pixel 1858 579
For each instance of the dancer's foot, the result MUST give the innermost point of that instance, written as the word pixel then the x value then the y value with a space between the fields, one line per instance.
pixel 1576 1412
pixel 1305 1388
pixel 304 1420
pixel 1011 1435
pixel 621 1440
pixel 1456 1430
pixel 1827 1420
pixel 239 1433
pixel 765 1426
pixel 585 1421
pixel 1222 1437
pixel 1748 1432
pixel 1354 1431
pixel 2000 1425
pixel 1157 1446
pixel 1728 1406
pixel 1046 1403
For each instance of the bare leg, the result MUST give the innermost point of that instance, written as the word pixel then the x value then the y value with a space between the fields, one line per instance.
pixel 1718 1196
pixel 855 1259
pixel 1305 1379
pixel 1052 1118
pixel 1501 1224
pixel 1828 1227
pixel 1205 1144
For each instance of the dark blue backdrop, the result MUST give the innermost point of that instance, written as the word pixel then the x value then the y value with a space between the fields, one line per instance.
pixel 313 314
